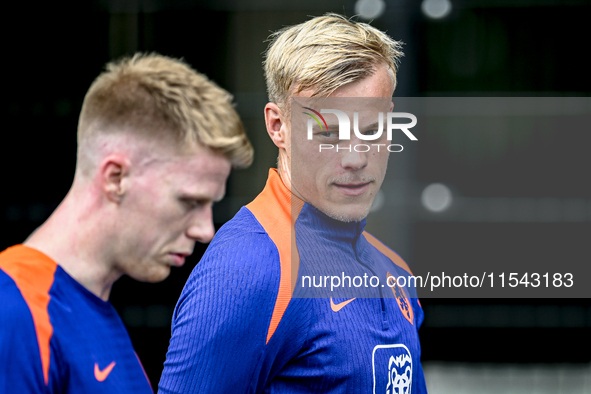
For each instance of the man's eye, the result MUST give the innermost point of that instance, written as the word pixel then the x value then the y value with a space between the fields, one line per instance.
pixel 189 203
pixel 328 134
pixel 371 132
pixel 192 203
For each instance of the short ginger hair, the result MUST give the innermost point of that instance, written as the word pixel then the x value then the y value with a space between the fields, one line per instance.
pixel 154 96
pixel 324 54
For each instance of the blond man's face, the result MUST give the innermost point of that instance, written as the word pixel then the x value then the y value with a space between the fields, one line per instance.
pixel 167 209
pixel 342 183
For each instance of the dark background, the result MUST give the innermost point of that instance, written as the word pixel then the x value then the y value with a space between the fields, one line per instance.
pixel 483 48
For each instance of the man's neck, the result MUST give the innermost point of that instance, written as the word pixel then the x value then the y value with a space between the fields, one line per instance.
pixel 284 170
pixel 72 238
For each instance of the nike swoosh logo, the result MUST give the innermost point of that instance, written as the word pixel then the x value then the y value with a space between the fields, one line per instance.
pixel 102 375
pixel 338 307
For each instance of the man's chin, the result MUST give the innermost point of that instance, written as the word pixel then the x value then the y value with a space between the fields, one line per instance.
pixel 348 214
pixel 154 275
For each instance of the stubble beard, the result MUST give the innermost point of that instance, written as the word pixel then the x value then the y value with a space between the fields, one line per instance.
pixel 339 214
pixel 345 218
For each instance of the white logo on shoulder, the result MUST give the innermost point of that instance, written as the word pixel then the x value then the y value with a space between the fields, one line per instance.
pixel 392 369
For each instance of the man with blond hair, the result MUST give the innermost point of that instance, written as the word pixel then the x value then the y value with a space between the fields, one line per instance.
pixel 156 142
pixel 257 314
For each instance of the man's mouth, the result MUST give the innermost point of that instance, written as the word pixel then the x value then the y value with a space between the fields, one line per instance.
pixel 179 258
pixel 352 189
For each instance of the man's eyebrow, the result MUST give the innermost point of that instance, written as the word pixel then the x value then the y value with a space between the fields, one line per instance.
pixel 332 125
pixel 201 197
pixel 373 125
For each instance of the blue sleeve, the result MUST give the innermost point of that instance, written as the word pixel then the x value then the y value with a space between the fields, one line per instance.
pixel 221 320
pixel 20 360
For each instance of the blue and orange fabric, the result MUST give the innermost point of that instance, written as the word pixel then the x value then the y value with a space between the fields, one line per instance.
pixel 245 324
pixel 56 336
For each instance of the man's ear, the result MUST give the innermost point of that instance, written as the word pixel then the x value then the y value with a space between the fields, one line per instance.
pixel 276 125
pixel 113 174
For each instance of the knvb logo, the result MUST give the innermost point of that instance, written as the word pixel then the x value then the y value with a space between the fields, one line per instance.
pixel 392 369
pixel 344 133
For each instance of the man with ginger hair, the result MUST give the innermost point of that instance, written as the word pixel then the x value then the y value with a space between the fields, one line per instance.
pixel 248 319
pixel 156 143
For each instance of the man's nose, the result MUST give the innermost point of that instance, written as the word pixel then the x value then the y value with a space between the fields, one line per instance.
pixel 353 159
pixel 201 228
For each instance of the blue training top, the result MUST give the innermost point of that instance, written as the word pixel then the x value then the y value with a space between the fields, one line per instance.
pixel 252 318
pixel 58 337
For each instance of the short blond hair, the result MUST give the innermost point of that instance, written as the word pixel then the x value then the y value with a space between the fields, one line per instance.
pixel 156 96
pixel 325 53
